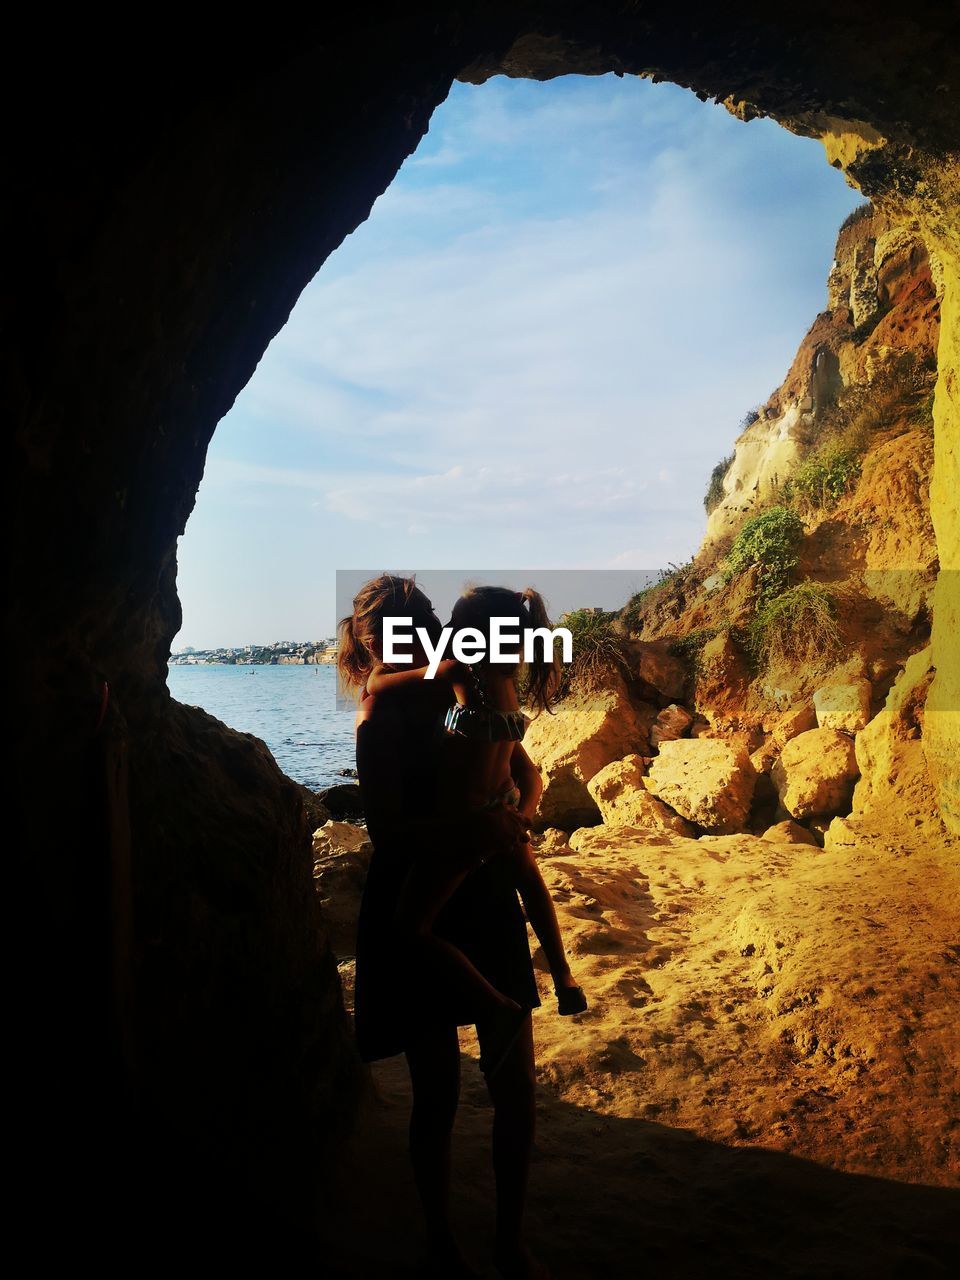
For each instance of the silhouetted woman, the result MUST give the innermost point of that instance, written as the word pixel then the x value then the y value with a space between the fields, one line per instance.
pixel 404 1001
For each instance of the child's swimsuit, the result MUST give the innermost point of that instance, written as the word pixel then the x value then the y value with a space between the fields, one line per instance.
pixel 485 724
pixel 509 795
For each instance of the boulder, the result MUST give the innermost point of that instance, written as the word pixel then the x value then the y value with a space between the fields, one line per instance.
pixel 721 653
pixel 624 801
pixel 789 832
pixel 672 722
pixel 661 671
pixel 341 854
pixel 721 679
pixel 316 811
pixel 815 773
pixel 705 780
pixel 843 706
pixel 796 720
pixel 551 841
pixel 341 837
pixel 587 732
pixel 762 759
pixel 895 774
pixel 344 801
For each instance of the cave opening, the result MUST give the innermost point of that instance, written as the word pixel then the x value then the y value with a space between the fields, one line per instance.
pixel 207 1051
pixel 585 253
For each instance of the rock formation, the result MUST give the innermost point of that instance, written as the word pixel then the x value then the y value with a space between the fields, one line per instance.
pixel 845 448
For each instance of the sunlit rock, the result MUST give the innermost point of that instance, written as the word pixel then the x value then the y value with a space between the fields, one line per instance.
pixel 705 780
pixel 789 831
pixel 672 722
pixel 624 801
pixel 587 732
pixel 815 772
pixel 843 706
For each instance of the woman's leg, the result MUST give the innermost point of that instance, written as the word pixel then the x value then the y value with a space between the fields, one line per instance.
pixel 512 1089
pixel 542 914
pixel 434 1062
pixel 429 884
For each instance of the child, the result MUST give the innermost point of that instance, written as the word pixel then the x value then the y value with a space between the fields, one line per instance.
pixel 484 766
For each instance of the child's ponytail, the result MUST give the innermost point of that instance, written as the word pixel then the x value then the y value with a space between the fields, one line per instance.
pixel 543 670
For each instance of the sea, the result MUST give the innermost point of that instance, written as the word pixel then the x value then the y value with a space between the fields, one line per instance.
pixel 292 708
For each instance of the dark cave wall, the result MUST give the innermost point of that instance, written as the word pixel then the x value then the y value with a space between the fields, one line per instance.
pixel 170 202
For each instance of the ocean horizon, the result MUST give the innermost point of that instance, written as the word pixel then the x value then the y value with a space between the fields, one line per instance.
pixel 292 708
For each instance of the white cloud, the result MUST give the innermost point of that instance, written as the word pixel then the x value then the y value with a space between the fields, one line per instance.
pixel 491 496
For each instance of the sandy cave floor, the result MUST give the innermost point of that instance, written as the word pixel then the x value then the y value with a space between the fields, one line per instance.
pixel 766 1083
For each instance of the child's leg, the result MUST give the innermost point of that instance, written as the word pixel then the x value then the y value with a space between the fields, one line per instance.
pixel 542 914
pixel 429 884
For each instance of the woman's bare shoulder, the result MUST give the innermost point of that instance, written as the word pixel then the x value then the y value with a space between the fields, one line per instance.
pixel 379 711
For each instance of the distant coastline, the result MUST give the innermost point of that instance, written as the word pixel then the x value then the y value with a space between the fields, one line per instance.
pixel 280 653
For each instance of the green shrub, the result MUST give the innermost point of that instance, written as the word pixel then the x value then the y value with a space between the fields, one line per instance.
pixel 768 540
pixel 799 625
pixel 823 478
pixel 715 488
pixel 675 575
pixel 690 647
pixel 599 651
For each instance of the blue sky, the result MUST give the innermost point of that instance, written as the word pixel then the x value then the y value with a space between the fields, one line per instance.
pixel 531 354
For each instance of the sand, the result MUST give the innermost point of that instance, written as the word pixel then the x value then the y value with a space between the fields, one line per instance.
pixel 766 1082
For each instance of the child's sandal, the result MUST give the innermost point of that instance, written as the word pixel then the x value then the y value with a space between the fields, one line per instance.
pixel 570 1000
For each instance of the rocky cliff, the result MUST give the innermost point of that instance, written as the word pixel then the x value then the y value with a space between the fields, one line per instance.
pixel 873 353
pixel 814 582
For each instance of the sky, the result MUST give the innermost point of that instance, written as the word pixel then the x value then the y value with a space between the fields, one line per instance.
pixel 531 354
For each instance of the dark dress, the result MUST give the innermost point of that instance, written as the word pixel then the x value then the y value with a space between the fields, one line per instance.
pixel 396 997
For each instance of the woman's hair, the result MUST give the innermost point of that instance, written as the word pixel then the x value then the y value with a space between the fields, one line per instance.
pixel 525 609
pixel 361 632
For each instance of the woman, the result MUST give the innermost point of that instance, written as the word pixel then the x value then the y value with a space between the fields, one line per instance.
pixel 404 1002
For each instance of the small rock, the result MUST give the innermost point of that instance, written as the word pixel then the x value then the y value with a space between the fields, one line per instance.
pixel 789 832
pixel 793 722
pixel 762 759
pixel 341 837
pixel 552 840
pixel 344 801
pixel 671 723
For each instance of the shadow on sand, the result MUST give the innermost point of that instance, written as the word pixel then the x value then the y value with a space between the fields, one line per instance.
pixel 611 1197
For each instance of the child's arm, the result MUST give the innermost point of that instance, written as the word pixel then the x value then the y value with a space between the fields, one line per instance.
pixel 383 679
